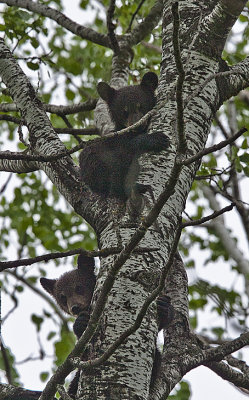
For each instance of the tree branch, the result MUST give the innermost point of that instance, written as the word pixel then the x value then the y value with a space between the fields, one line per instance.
pixel 43 140
pixel 182 145
pixel 209 217
pixel 71 131
pixel 111 27
pixel 61 19
pixel 146 27
pixel 18 166
pixel 55 109
pixel 219 22
pixel 225 349
pixel 233 83
pixel 213 148
pixel 229 374
pixel 134 15
pixel 104 252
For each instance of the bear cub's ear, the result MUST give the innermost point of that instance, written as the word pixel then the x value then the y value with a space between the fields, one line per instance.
pixel 106 92
pixel 48 285
pixel 149 81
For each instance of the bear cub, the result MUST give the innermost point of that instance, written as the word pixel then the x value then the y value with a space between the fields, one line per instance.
pixel 110 167
pixel 73 292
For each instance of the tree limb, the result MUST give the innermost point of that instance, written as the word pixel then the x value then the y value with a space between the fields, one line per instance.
pixel 225 349
pixel 55 109
pixel 218 23
pixel 111 27
pixel 43 140
pixel 209 217
pixel 61 19
pixel 215 147
pixel 229 374
pixel 134 15
pixel 233 83
pixel 104 252
pixel 182 145
pixel 146 27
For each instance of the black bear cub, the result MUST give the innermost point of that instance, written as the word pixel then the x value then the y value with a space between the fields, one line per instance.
pixel 110 167
pixel 73 292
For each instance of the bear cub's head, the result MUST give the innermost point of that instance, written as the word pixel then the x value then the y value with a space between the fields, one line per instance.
pixel 128 104
pixel 73 290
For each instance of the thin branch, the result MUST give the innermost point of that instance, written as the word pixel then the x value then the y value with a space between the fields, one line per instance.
pixel 182 145
pixel 221 126
pixel 9 118
pixel 105 252
pixel 61 19
pixel 9 155
pixel 71 131
pixel 74 131
pixel 225 236
pixel 215 147
pixel 111 27
pixel 56 109
pixel 215 174
pixel 134 15
pixel 5 185
pixel 147 25
pixel 209 217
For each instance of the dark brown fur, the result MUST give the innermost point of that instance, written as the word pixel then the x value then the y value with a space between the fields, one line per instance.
pixel 110 167
pixel 73 290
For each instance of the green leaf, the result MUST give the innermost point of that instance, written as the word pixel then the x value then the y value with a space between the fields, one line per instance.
pixel 37 321
pixel 32 65
pixel 244 158
pixel 44 376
